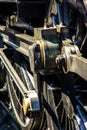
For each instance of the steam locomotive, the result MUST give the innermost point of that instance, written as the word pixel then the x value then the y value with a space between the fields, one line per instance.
pixel 43 63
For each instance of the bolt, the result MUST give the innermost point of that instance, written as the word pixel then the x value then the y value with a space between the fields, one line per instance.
pixel 37 48
pixel 60 58
pixel 37 63
pixel 73 51
pixel 26 95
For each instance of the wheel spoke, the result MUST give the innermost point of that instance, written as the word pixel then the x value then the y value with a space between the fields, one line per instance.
pixel 59 104
pixel 66 123
pixel 69 124
pixel 62 115
pixel 72 125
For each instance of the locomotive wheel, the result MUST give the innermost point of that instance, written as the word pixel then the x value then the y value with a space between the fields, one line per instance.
pixel 46 120
pixel 16 98
pixel 72 107
pixel 59 106
pixel 65 106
